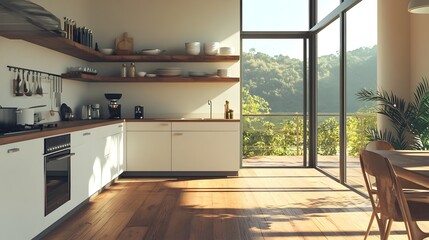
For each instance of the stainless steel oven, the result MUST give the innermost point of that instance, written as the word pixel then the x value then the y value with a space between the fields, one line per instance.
pixel 58 155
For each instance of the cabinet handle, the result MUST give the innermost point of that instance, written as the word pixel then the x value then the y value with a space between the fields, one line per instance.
pixel 86 134
pixel 164 124
pixel 178 134
pixel 13 150
pixel 120 126
pixel 61 158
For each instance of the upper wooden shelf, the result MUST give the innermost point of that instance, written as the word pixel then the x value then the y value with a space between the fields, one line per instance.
pixel 80 51
pixel 95 78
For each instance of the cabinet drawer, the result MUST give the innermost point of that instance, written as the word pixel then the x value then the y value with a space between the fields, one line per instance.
pixel 81 137
pixel 149 126
pixel 206 126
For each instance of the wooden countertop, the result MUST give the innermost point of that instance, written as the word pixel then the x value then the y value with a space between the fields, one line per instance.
pixel 77 125
pixel 181 120
pixel 63 127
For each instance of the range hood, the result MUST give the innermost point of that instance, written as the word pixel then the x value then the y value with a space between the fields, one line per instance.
pixel 22 16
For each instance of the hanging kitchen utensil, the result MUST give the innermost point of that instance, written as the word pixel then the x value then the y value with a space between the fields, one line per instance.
pixel 33 82
pixel 57 92
pixel 27 82
pixel 60 90
pixel 40 89
pixel 18 85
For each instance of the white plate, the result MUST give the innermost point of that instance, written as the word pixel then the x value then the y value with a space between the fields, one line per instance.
pixel 197 74
pixel 169 72
pixel 151 51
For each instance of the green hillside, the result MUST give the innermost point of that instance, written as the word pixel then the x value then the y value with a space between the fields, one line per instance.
pixel 279 79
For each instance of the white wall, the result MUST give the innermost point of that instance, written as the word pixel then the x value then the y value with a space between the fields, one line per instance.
pixel 419 49
pixel 164 24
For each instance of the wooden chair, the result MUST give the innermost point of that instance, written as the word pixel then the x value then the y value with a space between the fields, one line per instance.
pixel 390 203
pixel 379 145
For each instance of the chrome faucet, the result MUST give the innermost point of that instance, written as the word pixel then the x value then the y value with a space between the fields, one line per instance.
pixel 209 102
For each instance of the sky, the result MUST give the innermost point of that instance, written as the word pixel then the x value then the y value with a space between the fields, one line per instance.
pixel 292 15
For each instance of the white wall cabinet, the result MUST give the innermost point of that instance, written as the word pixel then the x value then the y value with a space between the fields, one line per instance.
pixel 149 146
pixel 210 146
pixel 22 199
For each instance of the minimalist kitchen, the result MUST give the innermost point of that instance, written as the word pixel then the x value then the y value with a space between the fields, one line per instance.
pixel 95 90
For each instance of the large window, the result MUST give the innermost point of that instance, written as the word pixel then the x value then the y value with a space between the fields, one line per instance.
pixel 273 94
pixel 284 59
pixel 274 15
pixel 361 73
pixel 328 101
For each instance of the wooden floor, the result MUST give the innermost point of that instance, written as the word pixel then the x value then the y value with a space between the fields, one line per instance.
pixel 258 204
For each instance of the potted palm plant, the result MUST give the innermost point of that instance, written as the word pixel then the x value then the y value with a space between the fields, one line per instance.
pixel 410 120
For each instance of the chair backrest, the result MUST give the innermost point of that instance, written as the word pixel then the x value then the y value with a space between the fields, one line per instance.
pixel 379 145
pixel 391 199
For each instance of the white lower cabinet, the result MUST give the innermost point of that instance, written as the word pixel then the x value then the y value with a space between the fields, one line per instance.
pixel 149 146
pixel 205 147
pixel 183 146
pixel 108 151
pixel 86 169
pixel 22 199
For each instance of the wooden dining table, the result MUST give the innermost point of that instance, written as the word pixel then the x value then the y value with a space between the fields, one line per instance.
pixel 411 165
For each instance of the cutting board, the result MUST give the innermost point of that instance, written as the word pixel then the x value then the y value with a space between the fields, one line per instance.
pixel 124 45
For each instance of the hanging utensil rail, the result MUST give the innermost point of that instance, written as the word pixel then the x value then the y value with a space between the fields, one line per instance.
pixel 32 70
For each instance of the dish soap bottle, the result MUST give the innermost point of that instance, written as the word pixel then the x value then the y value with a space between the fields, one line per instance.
pixel 226 109
pixel 132 70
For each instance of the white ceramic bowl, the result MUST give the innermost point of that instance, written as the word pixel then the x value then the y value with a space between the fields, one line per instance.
pixel 107 51
pixel 211 48
pixel 141 74
pixel 193 48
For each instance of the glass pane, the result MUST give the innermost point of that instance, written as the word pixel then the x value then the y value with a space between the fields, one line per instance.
pixel 275 15
pixel 272 99
pixel 328 131
pixel 325 7
pixel 361 73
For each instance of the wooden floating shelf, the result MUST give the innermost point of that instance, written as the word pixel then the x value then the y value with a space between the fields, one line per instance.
pixel 95 78
pixel 170 58
pixel 80 51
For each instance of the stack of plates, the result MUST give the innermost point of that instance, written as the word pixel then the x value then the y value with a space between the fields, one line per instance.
pixel 169 72
pixel 197 74
pixel 155 51
pixel 226 50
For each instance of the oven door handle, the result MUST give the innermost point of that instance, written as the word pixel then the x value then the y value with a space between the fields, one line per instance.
pixel 61 157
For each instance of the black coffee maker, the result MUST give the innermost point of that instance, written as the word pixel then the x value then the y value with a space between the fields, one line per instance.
pixel 114 106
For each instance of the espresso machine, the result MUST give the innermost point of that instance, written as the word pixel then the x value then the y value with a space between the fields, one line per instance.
pixel 114 106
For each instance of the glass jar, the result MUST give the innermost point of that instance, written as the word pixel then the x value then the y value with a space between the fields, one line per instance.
pixel 124 70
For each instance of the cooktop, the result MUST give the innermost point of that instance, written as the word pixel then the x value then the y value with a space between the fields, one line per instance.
pixel 18 129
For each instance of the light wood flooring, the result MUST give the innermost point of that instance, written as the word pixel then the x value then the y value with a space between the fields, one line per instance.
pixel 296 203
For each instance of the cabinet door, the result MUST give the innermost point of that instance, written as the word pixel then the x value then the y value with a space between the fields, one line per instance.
pixel 109 151
pixel 148 151
pixel 205 151
pixel 23 193
pixel 85 172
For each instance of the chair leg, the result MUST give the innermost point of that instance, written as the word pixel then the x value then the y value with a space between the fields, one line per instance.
pixel 389 226
pixel 415 231
pixel 371 220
